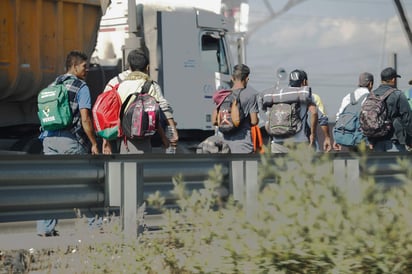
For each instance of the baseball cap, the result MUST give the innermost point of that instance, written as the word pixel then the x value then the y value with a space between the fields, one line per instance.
pixel 365 78
pixel 296 77
pixel 389 73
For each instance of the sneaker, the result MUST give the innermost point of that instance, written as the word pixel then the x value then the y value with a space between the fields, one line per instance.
pixel 53 233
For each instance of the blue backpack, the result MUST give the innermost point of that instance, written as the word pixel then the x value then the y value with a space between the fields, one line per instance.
pixel 347 130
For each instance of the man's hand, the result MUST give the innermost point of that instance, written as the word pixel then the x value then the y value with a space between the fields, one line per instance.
pixel 172 133
pixel 95 149
pixel 327 146
pixel 337 147
pixel 106 147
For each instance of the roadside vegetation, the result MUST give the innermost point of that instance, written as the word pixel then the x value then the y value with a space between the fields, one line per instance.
pixel 304 222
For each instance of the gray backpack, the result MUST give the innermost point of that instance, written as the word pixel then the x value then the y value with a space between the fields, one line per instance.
pixel 374 120
pixel 284 118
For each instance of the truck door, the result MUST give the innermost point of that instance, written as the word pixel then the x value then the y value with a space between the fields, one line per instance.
pixel 194 63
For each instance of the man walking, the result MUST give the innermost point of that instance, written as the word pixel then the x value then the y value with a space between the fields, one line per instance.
pixel 131 81
pixel 240 139
pixel 399 114
pixel 79 137
pixel 308 113
pixel 357 97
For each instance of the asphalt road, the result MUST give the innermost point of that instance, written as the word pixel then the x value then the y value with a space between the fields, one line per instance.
pixel 22 235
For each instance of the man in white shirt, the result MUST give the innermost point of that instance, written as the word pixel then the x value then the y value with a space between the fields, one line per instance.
pixel 364 87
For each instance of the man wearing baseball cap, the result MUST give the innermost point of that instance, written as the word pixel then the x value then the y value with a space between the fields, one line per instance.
pixel 399 113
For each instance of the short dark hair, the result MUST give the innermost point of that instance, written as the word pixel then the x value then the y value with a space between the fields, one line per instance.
pixel 296 77
pixel 137 60
pixel 74 58
pixel 240 72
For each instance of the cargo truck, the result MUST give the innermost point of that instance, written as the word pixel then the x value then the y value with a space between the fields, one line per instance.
pixel 35 37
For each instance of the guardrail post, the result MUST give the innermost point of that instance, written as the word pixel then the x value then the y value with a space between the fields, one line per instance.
pixel 113 184
pixel 346 173
pixel 245 184
pixel 238 180
pixel 252 188
pixel 132 196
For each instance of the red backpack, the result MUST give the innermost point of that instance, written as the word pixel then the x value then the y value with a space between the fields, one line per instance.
pixel 106 114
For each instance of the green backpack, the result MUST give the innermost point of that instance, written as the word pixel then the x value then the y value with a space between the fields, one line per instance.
pixel 54 107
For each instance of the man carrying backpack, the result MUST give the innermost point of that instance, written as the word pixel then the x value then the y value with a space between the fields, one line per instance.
pixel 131 81
pixel 347 132
pixel 78 137
pixel 298 98
pixel 398 118
pixel 239 138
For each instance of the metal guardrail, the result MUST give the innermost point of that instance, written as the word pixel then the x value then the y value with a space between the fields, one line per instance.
pixel 37 186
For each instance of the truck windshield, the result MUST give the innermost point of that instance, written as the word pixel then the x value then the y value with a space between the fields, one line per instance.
pixel 213 53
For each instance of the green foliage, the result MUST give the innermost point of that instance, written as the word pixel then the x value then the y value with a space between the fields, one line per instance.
pixel 305 223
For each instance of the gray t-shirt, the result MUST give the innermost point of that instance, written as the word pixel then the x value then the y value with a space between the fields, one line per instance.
pixel 240 141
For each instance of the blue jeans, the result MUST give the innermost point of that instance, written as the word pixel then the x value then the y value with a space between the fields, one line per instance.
pixel 53 146
pixel 46 226
pixel 389 146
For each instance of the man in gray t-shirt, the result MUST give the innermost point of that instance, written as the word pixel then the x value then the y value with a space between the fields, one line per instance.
pixel 240 140
pixel 308 114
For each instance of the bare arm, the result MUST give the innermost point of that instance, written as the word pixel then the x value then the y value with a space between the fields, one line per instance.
pixel 313 123
pixel 88 129
pixel 214 117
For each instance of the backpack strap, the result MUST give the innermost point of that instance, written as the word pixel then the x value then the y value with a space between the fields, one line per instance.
pixel 238 95
pixel 353 101
pixel 145 89
pixel 387 93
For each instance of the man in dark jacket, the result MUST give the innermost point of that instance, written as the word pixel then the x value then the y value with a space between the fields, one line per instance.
pixel 399 113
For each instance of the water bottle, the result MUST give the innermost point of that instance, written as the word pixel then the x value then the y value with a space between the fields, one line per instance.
pixel 171 150
pixel 170 134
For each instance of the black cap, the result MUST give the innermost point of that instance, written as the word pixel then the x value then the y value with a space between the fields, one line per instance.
pixel 296 78
pixel 389 73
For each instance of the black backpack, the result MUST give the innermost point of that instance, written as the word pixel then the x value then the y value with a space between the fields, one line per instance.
pixel 230 114
pixel 374 120
pixel 284 118
pixel 141 118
